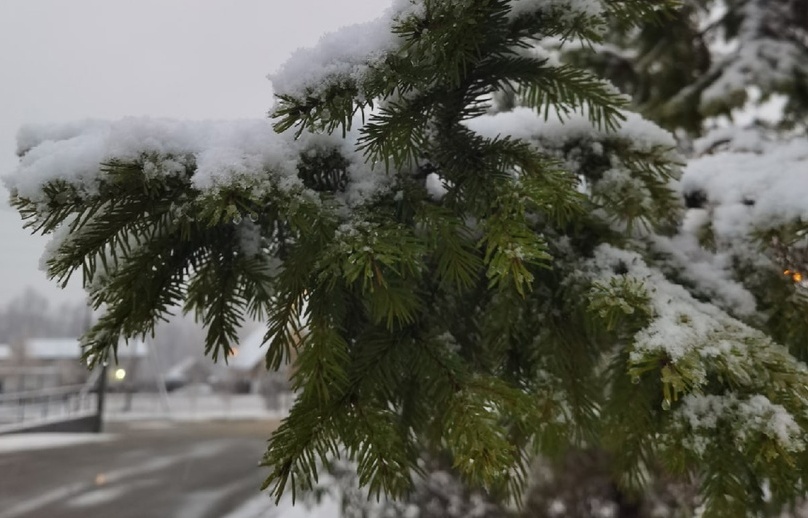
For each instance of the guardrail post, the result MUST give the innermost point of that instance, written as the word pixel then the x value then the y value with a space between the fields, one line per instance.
pixel 102 389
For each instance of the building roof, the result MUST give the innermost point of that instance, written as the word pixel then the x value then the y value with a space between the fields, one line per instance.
pixel 180 369
pixel 249 352
pixel 189 367
pixel 52 348
pixel 68 349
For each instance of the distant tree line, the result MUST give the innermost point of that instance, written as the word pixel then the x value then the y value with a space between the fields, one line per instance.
pixel 31 314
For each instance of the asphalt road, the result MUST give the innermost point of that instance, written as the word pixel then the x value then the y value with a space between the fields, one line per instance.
pixel 147 470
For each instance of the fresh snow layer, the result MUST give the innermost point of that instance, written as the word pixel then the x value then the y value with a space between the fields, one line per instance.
pixel 15 443
pixel 557 130
pixel 223 151
pixel 342 56
pixel 711 273
pixel 244 153
pixel 754 56
pixel 347 55
pixel 759 184
pixel 572 7
pixel 681 325
pixel 758 415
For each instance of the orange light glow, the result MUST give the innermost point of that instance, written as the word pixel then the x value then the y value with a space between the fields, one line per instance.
pixel 795 275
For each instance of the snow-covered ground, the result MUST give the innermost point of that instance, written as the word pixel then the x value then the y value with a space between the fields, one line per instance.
pixel 15 443
pixel 190 406
pixel 175 406
pixel 262 506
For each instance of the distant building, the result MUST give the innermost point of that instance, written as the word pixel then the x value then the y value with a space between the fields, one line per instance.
pixel 248 372
pixel 190 371
pixel 247 363
pixel 17 374
pixel 52 362
pixel 56 362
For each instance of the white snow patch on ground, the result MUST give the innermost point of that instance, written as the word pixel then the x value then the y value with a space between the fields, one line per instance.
pixel 15 443
pixel 326 509
pixel 193 407
pixel 262 506
pixel 197 503
pixel 256 507
pixel 98 496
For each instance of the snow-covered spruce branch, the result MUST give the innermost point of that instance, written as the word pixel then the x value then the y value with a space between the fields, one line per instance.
pixel 444 276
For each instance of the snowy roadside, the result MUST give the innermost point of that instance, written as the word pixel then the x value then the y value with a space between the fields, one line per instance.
pixel 262 506
pixel 259 506
pixel 15 443
pixel 190 407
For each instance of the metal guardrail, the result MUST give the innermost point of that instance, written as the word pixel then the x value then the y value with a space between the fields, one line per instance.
pixel 30 406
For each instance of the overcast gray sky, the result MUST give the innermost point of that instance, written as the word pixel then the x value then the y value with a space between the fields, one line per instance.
pixel 63 60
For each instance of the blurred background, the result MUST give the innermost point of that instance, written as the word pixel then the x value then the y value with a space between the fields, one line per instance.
pixel 181 436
